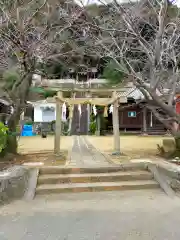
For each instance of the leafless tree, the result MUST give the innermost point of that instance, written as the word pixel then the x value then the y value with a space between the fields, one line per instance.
pixel 32 31
pixel 143 39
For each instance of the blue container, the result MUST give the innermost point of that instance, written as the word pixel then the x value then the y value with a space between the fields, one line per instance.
pixel 26 134
pixel 27 130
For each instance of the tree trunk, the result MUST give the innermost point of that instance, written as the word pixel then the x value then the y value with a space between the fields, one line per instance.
pixel 11 145
pixel 12 139
pixel 20 89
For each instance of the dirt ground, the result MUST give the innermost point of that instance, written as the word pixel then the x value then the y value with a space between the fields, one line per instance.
pixel 37 149
pixel 38 144
pixel 132 146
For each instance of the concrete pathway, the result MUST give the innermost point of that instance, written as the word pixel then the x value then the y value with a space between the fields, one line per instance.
pixel 132 215
pixel 84 153
pixel 126 215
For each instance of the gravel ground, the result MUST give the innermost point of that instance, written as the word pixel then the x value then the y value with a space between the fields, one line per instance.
pixel 127 215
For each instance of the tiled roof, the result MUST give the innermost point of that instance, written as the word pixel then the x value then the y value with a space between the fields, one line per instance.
pixel 131 92
pixel 134 92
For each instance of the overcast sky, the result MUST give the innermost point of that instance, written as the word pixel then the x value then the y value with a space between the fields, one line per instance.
pixel 85 2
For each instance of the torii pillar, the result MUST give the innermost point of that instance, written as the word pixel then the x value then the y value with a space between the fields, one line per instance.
pixel 57 138
pixel 115 119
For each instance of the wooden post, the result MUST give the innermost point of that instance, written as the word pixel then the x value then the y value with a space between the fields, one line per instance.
pixel 73 95
pixel 116 132
pixel 98 125
pixel 58 125
pixel 144 120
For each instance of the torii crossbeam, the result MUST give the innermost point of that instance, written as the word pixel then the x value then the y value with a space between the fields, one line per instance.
pixel 115 100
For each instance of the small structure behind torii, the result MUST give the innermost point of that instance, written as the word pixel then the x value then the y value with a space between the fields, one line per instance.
pixel 115 100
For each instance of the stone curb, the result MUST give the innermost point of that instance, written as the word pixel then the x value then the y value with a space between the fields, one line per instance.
pixel 168 174
pixel 169 169
pixel 32 184
pixel 162 180
pixel 13 183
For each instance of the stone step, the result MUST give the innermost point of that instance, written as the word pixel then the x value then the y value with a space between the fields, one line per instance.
pixel 97 169
pixel 93 187
pixel 94 177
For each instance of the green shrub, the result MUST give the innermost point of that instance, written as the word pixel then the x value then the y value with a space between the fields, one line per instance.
pixel 92 127
pixel 3 136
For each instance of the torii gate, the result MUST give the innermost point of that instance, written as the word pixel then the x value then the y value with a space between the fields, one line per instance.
pixel 115 100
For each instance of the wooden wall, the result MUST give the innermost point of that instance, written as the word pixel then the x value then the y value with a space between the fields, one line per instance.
pixel 126 122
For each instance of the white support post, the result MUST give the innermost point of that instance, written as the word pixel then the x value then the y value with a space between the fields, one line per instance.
pixel 116 132
pixel 151 120
pixel 88 113
pixel 57 137
pixel 88 117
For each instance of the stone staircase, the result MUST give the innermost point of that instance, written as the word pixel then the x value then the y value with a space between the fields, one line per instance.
pixel 111 178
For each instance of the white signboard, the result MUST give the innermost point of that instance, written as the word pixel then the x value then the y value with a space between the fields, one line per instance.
pixel 46 112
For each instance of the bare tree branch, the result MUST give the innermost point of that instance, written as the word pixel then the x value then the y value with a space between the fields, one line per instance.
pixel 143 39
